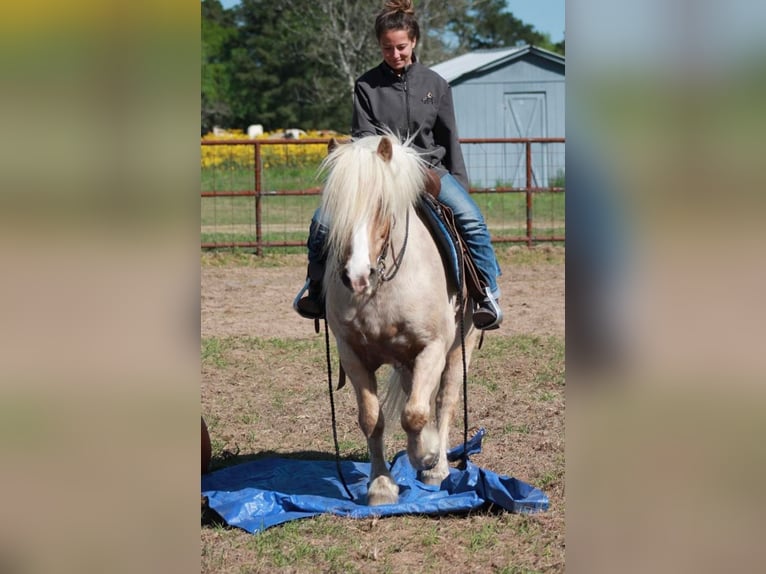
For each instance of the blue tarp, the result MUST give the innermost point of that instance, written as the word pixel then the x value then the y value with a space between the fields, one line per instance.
pixel 263 493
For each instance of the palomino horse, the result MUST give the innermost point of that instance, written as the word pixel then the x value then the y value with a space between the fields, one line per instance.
pixel 388 301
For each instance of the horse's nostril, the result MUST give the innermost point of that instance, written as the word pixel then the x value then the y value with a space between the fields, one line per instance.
pixel 345 280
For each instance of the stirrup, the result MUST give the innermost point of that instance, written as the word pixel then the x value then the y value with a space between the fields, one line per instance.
pixel 488 313
pixel 300 296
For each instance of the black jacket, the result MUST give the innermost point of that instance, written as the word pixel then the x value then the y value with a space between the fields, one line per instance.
pixel 417 102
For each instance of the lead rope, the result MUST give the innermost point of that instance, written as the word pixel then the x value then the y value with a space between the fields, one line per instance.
pixel 461 312
pixel 461 304
pixel 332 410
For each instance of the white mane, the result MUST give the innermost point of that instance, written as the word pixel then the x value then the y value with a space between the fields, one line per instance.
pixel 361 185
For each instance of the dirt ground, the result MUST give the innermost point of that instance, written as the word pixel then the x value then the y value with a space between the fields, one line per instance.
pixel 256 301
pixel 264 393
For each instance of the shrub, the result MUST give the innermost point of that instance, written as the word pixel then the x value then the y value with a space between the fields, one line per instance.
pixel 272 156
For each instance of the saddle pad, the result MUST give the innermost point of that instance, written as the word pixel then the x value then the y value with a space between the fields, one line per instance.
pixel 263 493
pixel 456 256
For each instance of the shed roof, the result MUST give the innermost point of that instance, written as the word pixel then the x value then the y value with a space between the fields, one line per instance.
pixel 480 60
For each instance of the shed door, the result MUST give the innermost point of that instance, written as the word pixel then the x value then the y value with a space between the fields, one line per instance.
pixel 525 118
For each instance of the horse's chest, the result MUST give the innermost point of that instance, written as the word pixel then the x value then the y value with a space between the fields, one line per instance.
pixel 387 343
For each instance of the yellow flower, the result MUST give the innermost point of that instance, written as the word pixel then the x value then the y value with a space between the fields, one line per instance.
pixel 272 156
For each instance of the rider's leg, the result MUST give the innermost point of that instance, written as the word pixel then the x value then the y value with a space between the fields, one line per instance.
pixel 311 305
pixel 473 229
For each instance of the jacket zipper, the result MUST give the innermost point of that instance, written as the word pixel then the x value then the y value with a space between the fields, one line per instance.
pixel 406 103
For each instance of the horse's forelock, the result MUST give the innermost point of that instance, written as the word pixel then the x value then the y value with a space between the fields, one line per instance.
pixel 361 184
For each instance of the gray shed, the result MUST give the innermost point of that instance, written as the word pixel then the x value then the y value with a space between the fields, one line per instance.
pixel 508 93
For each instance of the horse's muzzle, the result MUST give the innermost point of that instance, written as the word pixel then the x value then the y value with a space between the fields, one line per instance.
pixel 345 280
pixel 361 284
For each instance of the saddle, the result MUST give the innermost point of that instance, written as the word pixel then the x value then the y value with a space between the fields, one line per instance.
pixel 455 254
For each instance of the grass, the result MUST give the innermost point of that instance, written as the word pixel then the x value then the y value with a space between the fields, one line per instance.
pixel 500 208
pixel 491 386
pixel 524 345
pixel 268 395
pixel 213 352
pixel 356 449
pixel 249 418
pixel 331 544
pixel 512 428
pixel 237 257
pixel 536 255
pixel 286 218
pixel 240 178
pixel 285 210
pixel 506 255
pixel 483 538
pixel 294 543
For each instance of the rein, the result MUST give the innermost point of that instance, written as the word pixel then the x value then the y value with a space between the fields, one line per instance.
pixel 381 262
pixel 461 306
pixel 332 410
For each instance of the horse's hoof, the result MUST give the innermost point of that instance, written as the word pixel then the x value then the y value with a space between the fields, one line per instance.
pixel 423 449
pixel 429 461
pixel 382 490
pixel 432 477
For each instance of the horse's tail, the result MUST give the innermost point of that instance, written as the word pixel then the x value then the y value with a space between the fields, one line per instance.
pixel 392 402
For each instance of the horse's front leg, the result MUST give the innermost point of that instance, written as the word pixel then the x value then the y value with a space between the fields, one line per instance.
pixel 381 489
pixel 422 438
pixel 446 402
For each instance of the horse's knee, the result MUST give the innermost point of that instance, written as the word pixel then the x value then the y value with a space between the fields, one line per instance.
pixel 370 423
pixel 414 419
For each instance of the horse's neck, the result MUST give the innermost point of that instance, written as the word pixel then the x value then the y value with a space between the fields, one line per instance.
pixel 401 221
pixel 401 229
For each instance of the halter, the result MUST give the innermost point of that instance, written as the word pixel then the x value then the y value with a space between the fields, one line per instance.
pixel 381 262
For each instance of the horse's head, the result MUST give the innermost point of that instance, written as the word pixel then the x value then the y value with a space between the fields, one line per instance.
pixel 368 239
pixel 371 184
pixel 365 253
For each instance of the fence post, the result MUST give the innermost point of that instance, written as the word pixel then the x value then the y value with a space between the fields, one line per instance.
pixel 258 208
pixel 528 150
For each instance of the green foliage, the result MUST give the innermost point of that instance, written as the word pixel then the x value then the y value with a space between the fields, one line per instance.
pixel 510 428
pixel 558 180
pixel 218 34
pixel 489 24
pixel 213 351
pixel 293 63
pixel 485 537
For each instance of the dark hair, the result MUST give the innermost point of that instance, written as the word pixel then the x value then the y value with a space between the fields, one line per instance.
pixel 397 15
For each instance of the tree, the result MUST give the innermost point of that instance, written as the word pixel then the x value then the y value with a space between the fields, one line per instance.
pixel 283 73
pixel 341 35
pixel 488 24
pixel 217 32
pixel 560 47
pixel 293 63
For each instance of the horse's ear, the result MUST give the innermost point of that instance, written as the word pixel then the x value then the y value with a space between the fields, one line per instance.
pixel 385 149
pixel 332 144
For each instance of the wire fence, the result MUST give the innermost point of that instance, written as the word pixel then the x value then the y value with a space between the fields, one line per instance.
pixel 261 194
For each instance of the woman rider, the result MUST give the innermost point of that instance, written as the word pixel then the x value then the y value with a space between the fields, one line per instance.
pixel 404 97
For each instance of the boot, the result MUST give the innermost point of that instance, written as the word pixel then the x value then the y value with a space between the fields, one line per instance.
pixel 487 315
pixel 312 305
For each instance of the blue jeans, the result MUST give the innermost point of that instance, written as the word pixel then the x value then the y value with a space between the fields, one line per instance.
pixel 469 220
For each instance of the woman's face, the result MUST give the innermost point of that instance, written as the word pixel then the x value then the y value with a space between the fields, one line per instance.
pixel 396 47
